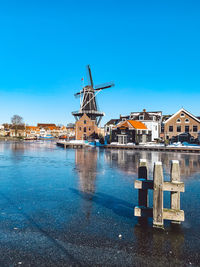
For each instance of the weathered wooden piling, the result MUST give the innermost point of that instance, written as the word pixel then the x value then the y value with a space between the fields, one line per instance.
pixel 175 177
pixel 142 174
pixel 175 186
pixel 158 195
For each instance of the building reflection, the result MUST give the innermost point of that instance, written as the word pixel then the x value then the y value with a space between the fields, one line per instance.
pixel 17 149
pixel 86 166
pixel 127 161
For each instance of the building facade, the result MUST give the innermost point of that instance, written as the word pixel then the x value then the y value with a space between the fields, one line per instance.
pixel 85 128
pixel 130 131
pixel 182 122
pixel 152 119
pixel 110 125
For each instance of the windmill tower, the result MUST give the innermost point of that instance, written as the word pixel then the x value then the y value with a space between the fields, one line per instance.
pixel 88 102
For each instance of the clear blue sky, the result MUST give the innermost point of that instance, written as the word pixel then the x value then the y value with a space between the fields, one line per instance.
pixel 151 49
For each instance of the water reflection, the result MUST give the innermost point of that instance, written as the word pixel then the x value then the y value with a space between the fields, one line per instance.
pixel 17 151
pixel 86 166
pixel 127 161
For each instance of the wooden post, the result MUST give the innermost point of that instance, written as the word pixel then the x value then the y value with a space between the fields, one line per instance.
pixel 158 195
pixel 143 193
pixel 175 177
pixel 142 174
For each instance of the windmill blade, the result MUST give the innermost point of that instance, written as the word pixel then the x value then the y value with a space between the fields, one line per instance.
pixel 104 86
pixel 89 76
pixel 79 93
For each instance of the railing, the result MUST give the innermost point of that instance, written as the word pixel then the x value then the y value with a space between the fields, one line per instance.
pixel 88 112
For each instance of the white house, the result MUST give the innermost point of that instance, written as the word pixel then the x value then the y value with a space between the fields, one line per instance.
pixel 152 119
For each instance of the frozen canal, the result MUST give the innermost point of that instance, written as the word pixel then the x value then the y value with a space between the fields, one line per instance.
pixel 60 207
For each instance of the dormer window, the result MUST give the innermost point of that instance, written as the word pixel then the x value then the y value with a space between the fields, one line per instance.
pixel 182 115
pixel 178 121
pixel 85 121
pixel 141 117
pixel 187 120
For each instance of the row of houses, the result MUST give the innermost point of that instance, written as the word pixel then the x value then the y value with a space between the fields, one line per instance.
pixel 151 126
pixel 41 130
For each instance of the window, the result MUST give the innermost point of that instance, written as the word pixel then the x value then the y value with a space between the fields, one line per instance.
pixel 178 121
pixel 80 128
pixel 85 121
pixel 170 128
pixel 123 131
pixel 187 129
pixel 89 129
pixel 178 129
pixel 84 129
pixel 195 128
pixel 141 117
pixel 182 115
pixel 108 129
pixel 187 120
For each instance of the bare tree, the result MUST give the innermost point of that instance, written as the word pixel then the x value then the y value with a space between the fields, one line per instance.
pixel 17 123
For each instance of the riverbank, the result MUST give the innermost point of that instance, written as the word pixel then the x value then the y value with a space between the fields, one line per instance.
pixel 161 148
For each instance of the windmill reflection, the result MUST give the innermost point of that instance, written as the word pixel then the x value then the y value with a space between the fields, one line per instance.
pixel 86 165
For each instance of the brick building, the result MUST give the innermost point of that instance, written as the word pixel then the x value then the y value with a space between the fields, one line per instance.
pixel 85 128
pixel 181 122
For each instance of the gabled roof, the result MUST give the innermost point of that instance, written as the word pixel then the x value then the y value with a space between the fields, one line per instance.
pixel 182 110
pixel 112 121
pixel 132 125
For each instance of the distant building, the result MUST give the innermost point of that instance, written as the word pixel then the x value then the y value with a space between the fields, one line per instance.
pixel 152 119
pixel 182 122
pixel 32 131
pixel 110 125
pixel 130 131
pixel 18 131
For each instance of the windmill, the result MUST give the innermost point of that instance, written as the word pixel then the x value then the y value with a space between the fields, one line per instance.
pixel 88 102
